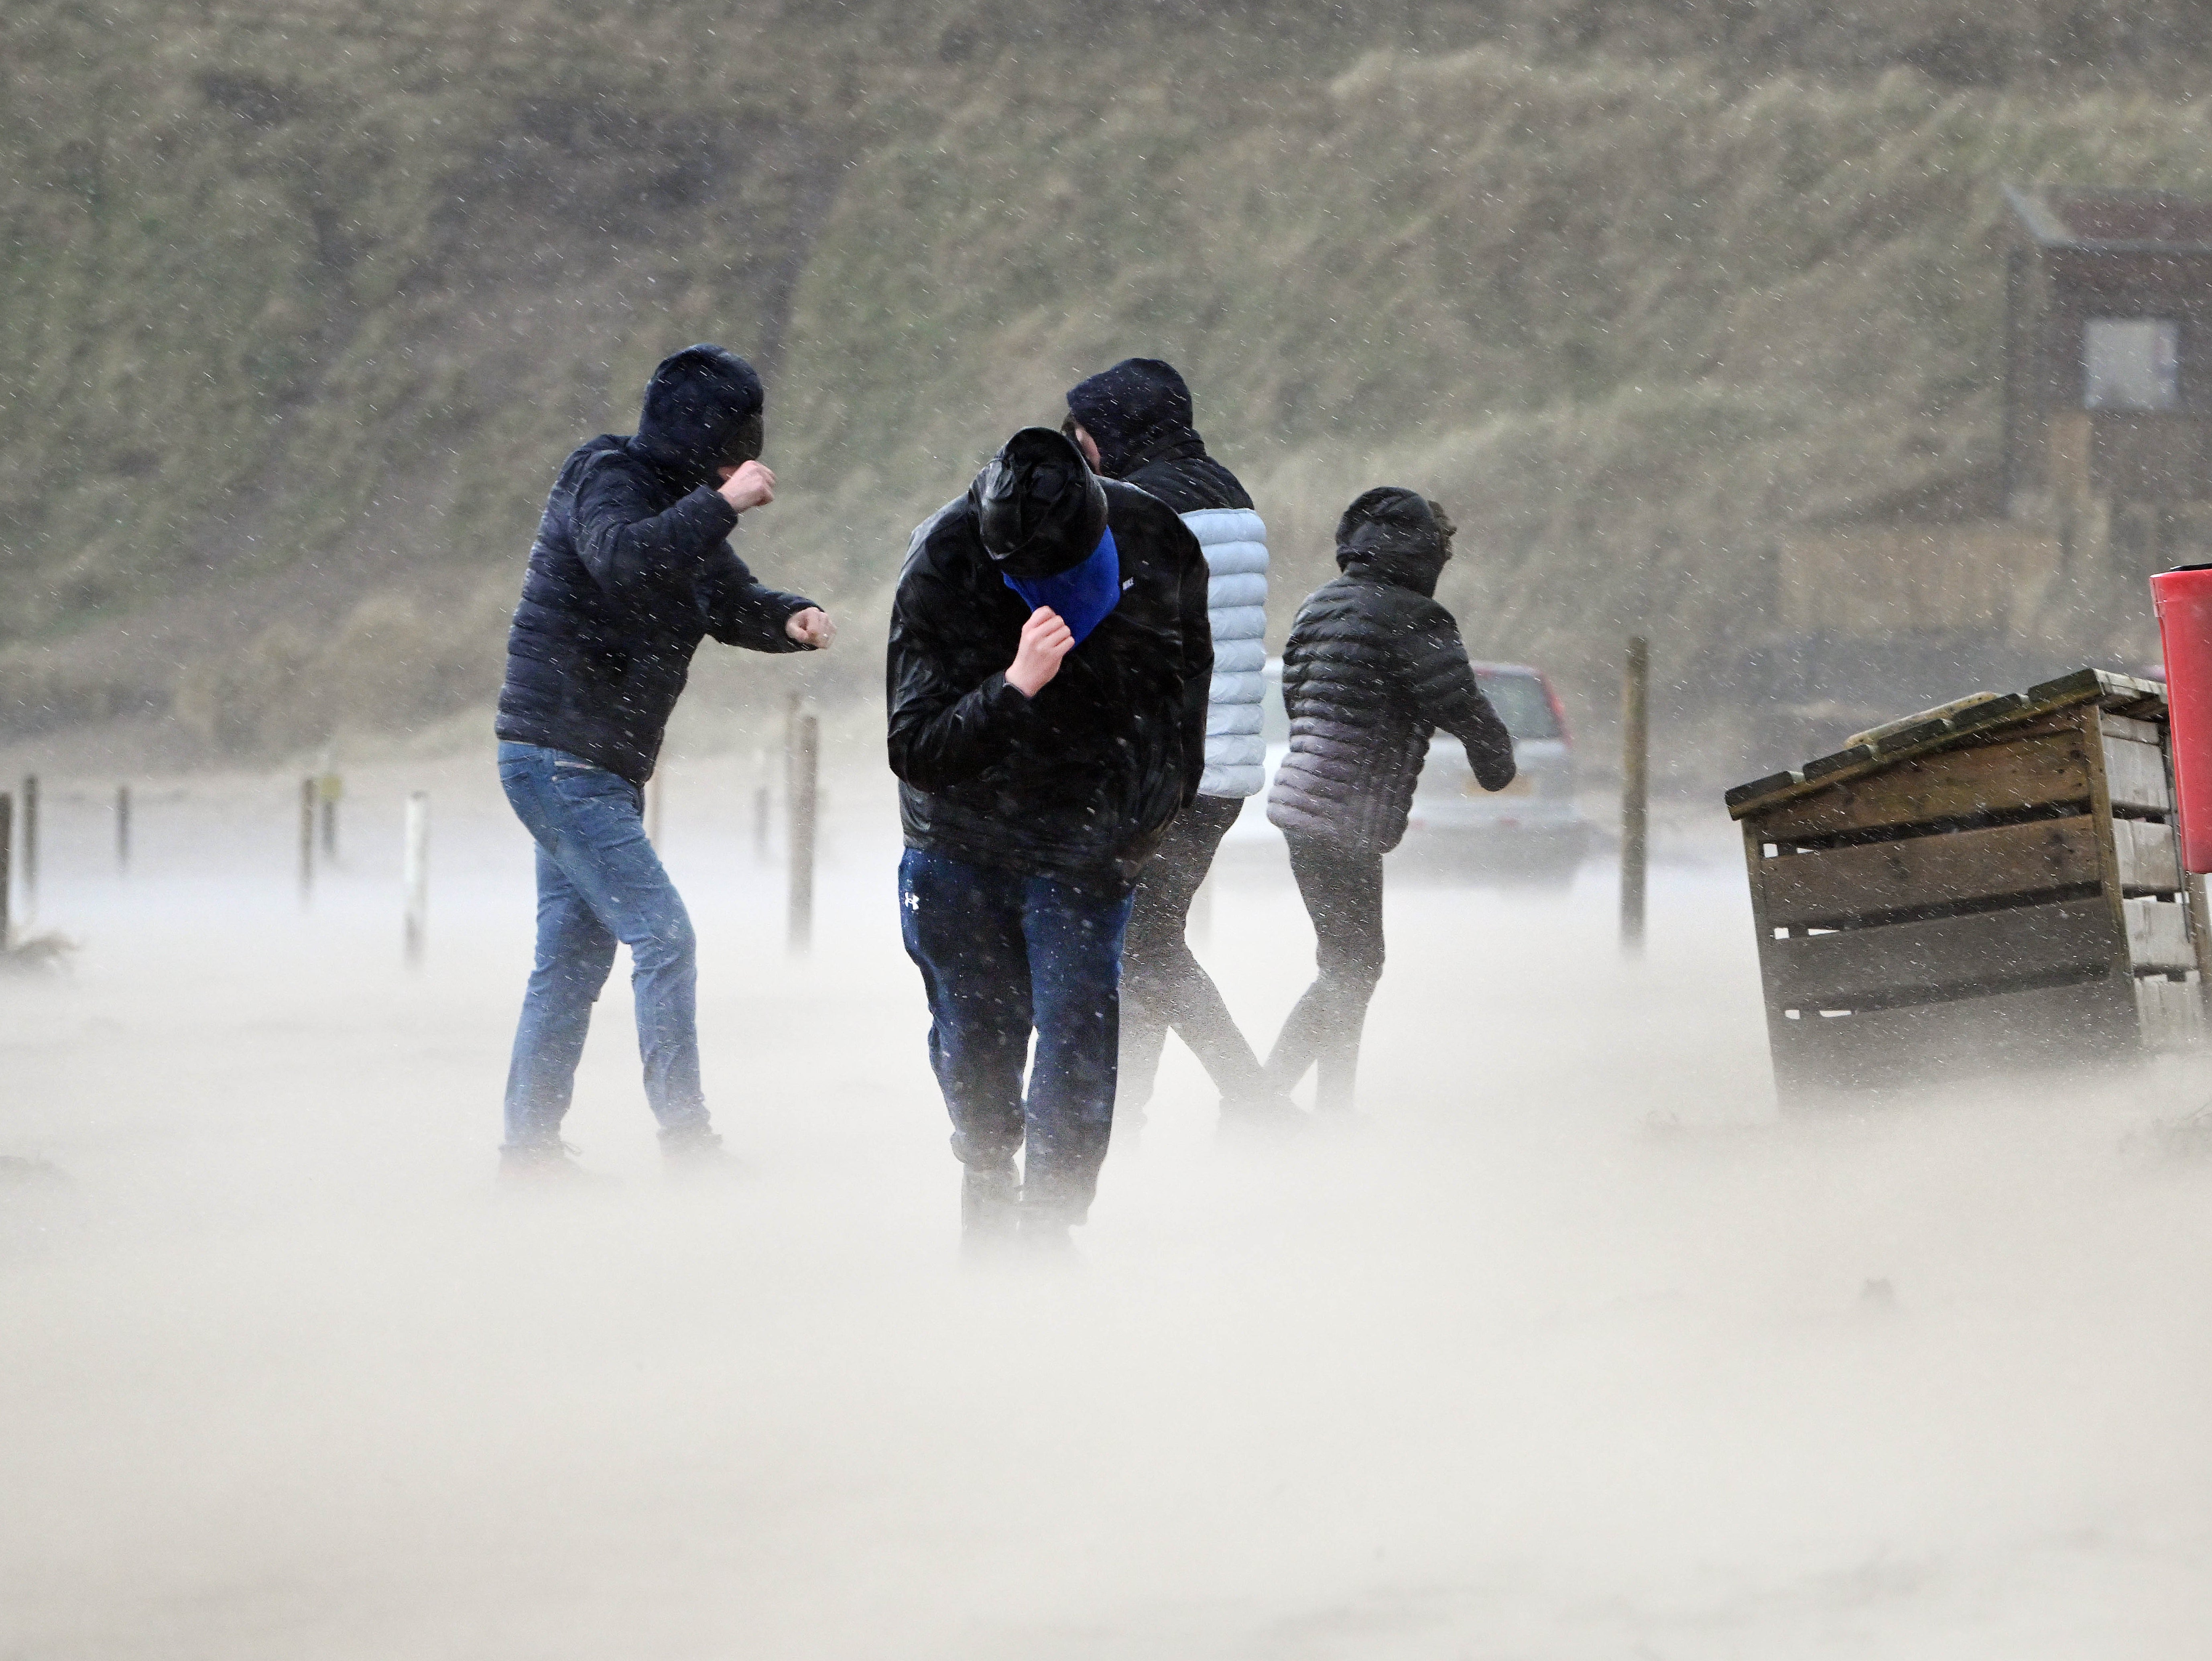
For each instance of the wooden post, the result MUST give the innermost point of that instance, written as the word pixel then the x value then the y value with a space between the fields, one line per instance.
pixel 30 845
pixel 805 765
pixel 414 875
pixel 330 787
pixel 308 793
pixel 1635 790
pixel 122 827
pixel 7 876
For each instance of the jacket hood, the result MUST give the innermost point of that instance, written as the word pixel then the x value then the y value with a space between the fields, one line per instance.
pixel 1137 411
pixel 703 409
pixel 1039 508
pixel 1397 535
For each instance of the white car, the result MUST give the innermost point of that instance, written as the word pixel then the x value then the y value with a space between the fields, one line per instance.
pixel 1531 829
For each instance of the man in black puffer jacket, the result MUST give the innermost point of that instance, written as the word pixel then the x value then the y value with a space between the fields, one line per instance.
pixel 1134 423
pixel 631 569
pixel 1047 680
pixel 1373 667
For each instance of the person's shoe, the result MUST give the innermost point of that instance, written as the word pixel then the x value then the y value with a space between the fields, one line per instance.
pixel 695 1151
pixel 549 1164
pixel 1044 1235
pixel 1263 1115
pixel 990 1198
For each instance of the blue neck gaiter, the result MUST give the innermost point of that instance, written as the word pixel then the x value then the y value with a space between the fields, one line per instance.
pixel 1082 595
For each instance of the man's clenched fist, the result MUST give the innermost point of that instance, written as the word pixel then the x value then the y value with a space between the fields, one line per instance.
pixel 748 485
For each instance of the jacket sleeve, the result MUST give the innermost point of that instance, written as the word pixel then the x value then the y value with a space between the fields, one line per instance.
pixel 941 732
pixel 1197 664
pixel 629 548
pixel 742 611
pixel 1445 691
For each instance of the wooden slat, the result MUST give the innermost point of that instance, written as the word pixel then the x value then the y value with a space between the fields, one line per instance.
pixel 1996 778
pixel 1936 1044
pixel 2150 859
pixel 2158 935
pixel 1830 884
pixel 2127 726
pixel 1867 965
pixel 2172 1012
pixel 2137 773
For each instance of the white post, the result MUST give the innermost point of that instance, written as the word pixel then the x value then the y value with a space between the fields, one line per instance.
pixel 415 874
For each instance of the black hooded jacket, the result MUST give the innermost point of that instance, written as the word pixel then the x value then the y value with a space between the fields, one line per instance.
pixel 1139 414
pixel 1372 667
pixel 632 568
pixel 1081 780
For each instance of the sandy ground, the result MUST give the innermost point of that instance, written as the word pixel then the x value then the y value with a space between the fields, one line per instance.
pixel 1563 1349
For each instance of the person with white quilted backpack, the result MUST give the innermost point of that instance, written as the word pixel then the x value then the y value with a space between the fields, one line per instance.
pixel 1133 423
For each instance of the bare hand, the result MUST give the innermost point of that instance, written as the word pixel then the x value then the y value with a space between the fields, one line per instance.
pixel 750 485
pixel 1046 639
pixel 811 627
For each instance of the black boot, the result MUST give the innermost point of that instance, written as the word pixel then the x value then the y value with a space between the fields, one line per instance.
pixel 990 1197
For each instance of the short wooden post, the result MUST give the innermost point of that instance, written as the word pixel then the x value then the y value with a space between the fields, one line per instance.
pixel 122 827
pixel 6 874
pixel 414 875
pixel 30 847
pixel 1634 789
pixel 308 793
pixel 805 765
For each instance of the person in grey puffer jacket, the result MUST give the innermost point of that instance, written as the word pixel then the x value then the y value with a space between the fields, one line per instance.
pixel 1374 665
pixel 1133 423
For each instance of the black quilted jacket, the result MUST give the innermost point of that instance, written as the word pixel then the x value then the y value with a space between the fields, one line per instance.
pixel 631 569
pixel 1081 780
pixel 1374 667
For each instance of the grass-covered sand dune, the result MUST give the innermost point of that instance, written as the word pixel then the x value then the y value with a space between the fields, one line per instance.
pixel 299 306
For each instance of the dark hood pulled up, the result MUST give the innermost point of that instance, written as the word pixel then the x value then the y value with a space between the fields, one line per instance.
pixel 1394 534
pixel 703 409
pixel 1039 508
pixel 1137 411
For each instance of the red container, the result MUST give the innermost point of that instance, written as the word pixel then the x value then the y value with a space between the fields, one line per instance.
pixel 2184 600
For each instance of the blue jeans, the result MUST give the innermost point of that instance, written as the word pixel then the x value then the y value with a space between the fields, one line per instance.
pixel 599 882
pixel 1002 954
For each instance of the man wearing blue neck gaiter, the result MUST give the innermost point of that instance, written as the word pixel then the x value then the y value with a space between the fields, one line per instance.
pixel 1050 660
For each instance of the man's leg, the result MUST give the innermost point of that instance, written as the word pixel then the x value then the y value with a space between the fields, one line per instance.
pixel 962 926
pixel 1075 932
pixel 574 953
pixel 1343 894
pixel 1164 983
pixel 591 823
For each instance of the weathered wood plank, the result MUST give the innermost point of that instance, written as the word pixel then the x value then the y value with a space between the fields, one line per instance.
pixel 2150 858
pixel 1945 1042
pixel 2158 935
pixel 2127 726
pixel 1995 778
pixel 2137 775
pixel 1834 883
pixel 1871 965
pixel 2172 1012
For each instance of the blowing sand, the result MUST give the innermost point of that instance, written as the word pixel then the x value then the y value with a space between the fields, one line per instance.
pixel 1564 1349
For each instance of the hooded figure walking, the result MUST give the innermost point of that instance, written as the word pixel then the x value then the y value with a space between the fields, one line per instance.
pixel 1047 675
pixel 631 569
pixel 1373 667
pixel 1133 423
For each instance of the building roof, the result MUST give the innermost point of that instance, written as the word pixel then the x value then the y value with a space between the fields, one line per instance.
pixel 2112 222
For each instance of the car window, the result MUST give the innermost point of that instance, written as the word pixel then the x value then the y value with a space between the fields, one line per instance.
pixel 1521 703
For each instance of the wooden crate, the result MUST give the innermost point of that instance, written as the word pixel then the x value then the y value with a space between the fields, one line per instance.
pixel 1994 889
